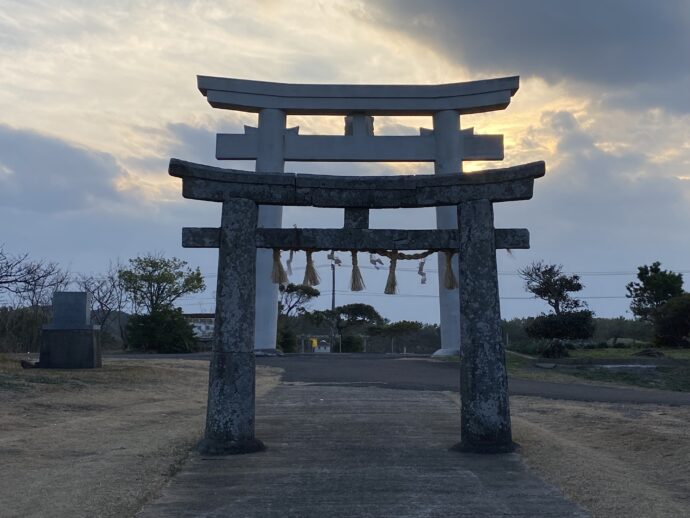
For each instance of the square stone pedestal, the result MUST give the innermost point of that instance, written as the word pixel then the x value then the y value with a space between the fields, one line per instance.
pixel 70 348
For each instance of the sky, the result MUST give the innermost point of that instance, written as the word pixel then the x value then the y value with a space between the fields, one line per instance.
pixel 97 96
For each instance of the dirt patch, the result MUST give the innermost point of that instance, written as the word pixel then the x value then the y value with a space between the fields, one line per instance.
pixel 99 442
pixel 615 460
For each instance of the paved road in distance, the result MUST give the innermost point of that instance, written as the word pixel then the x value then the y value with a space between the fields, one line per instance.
pixel 421 373
pixel 415 373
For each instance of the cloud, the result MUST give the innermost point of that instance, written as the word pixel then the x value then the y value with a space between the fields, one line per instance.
pixel 602 210
pixel 46 174
pixel 615 45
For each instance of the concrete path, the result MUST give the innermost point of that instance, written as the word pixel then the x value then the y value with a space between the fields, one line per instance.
pixel 358 451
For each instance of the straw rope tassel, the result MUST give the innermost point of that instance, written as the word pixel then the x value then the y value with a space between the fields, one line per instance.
pixel 288 263
pixel 421 272
pixel 391 283
pixel 356 280
pixel 311 276
pixel 278 275
pixel 449 280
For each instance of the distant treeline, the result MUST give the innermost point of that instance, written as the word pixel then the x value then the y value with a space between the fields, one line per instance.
pixel 605 329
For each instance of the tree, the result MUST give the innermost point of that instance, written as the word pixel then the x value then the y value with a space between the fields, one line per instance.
pixel 577 325
pixel 40 281
pixel 549 283
pixel 155 283
pixel 672 322
pixel 103 295
pixel 26 288
pixel 295 297
pixel 165 330
pixel 396 329
pixel 11 270
pixel 570 318
pixel 655 287
pixel 348 317
pixel 293 301
pixel 356 315
pixel 109 299
pixel 18 274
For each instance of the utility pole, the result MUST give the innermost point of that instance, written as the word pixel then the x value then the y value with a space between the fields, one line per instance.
pixel 335 261
pixel 333 306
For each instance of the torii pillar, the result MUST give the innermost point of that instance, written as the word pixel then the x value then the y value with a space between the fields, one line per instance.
pixel 448 160
pixel 270 159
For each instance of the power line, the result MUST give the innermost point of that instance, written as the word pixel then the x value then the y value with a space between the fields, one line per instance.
pixel 504 273
pixel 192 299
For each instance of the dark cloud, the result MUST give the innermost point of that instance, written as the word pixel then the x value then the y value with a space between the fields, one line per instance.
pixel 47 174
pixel 619 45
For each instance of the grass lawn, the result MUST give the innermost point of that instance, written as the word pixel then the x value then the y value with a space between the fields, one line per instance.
pixel 611 353
pixel 665 377
pixel 670 377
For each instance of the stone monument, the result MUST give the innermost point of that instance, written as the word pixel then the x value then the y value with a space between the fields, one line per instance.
pixel 71 341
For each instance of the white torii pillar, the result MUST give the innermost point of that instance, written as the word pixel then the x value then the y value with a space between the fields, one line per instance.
pixel 448 160
pixel 270 159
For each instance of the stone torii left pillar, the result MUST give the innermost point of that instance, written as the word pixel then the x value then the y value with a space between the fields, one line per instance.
pixel 231 387
pixel 270 159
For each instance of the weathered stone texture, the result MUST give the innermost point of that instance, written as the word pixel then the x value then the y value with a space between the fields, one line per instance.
pixel 215 184
pixel 356 218
pixel 71 310
pixel 234 323
pixel 230 412
pixel 231 400
pixel 485 414
pixel 78 348
pixel 355 238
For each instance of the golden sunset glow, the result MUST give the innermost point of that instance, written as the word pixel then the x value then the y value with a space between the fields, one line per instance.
pixel 116 83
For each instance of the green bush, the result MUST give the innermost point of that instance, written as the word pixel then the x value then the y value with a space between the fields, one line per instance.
pixel 352 344
pixel 672 322
pixel 575 325
pixel 287 340
pixel 554 349
pixel 164 330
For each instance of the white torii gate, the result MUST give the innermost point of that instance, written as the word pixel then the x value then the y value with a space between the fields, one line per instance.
pixel 271 144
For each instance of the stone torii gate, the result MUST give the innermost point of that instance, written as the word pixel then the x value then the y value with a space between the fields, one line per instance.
pixel 485 414
pixel 271 145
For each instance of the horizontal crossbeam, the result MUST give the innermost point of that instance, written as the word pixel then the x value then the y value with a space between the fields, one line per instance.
pixel 331 148
pixel 201 182
pixel 324 99
pixel 355 239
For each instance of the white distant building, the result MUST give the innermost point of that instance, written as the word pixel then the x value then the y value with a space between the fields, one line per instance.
pixel 202 323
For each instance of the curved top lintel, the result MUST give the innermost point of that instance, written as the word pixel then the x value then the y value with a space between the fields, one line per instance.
pixel 329 99
pixel 204 182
